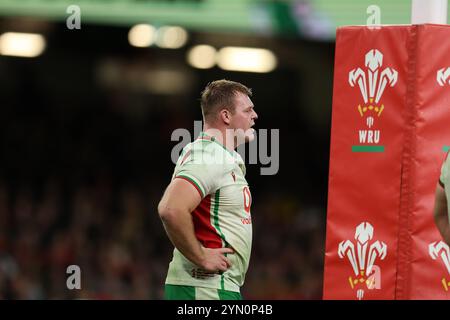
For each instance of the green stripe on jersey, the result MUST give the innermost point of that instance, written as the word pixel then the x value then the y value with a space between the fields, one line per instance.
pixel 229 295
pixel 216 214
pixel 175 292
pixel 194 182
pixel 217 226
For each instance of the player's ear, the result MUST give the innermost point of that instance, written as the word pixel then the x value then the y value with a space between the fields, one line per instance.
pixel 225 116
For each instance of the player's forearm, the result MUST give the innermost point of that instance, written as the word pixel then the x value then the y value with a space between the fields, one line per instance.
pixel 180 230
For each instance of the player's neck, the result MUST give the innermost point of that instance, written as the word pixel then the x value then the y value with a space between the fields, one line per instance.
pixel 221 135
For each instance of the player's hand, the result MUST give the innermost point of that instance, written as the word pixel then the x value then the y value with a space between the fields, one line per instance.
pixel 214 260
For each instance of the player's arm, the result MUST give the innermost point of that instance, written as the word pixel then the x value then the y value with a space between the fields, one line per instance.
pixel 441 214
pixel 175 207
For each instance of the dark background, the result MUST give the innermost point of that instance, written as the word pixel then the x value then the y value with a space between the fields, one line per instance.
pixel 85 158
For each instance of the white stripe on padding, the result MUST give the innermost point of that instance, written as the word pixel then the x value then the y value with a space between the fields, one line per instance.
pixel 206 294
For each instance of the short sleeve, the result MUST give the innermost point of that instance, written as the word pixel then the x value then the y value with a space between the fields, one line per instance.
pixel 201 169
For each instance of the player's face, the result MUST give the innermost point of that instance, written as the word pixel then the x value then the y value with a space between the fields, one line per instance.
pixel 243 118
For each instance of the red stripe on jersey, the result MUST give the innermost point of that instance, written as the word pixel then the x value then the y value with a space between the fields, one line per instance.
pixel 204 230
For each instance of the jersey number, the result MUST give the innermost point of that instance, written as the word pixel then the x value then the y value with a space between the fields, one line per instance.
pixel 247 199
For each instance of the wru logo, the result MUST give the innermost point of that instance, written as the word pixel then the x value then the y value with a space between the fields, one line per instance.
pixel 377 81
pixel 362 259
pixel 372 83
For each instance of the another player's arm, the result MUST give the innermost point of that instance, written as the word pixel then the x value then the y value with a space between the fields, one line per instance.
pixel 441 214
pixel 175 207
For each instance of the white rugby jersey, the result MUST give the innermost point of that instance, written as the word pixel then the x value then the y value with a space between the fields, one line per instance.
pixel 223 217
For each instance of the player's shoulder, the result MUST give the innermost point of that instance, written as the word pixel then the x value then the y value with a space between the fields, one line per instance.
pixel 208 147
pixel 197 152
pixel 197 145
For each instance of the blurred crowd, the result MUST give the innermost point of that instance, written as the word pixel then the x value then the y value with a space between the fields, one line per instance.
pixel 82 170
pixel 116 238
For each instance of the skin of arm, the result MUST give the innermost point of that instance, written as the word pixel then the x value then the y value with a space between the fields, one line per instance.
pixel 175 207
pixel 441 213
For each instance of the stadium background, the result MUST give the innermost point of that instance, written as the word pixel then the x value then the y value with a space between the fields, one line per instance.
pixel 85 142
